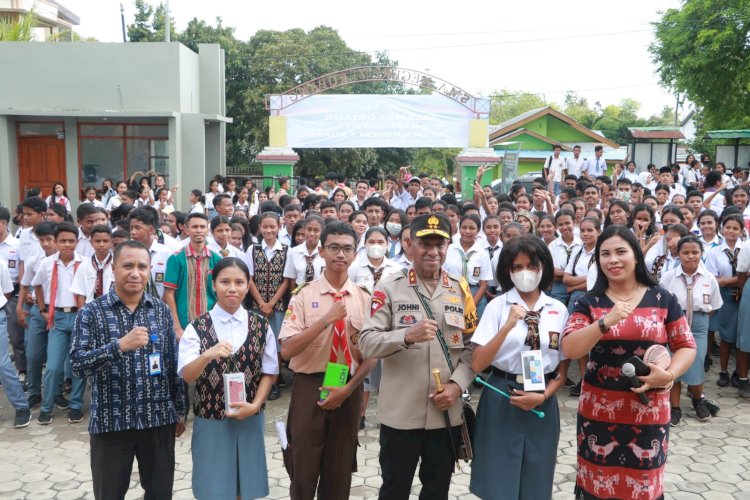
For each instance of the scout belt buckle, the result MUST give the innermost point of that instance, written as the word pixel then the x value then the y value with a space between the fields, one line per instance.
pixel 67 309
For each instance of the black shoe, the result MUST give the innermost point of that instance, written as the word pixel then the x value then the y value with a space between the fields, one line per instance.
pixel 24 381
pixel 44 418
pixel 569 384
pixel 723 379
pixel 23 418
pixel 75 416
pixel 701 409
pixel 275 393
pixel 743 388
pixel 676 416
pixel 576 390
pixel 67 386
pixel 735 379
pixel 712 407
pixel 281 381
pixel 34 401
pixel 707 362
pixel 714 349
pixel 361 423
pixel 61 402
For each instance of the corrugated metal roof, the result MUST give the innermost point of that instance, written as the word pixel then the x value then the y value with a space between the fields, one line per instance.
pixel 609 154
pixel 655 133
pixel 728 134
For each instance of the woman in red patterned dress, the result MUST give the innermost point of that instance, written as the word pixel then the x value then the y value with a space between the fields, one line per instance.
pixel 622 443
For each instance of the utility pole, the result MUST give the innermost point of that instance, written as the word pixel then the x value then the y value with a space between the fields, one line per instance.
pixel 122 19
pixel 167 22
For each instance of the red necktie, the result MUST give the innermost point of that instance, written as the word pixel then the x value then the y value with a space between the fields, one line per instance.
pixel 53 293
pixel 340 343
pixel 99 288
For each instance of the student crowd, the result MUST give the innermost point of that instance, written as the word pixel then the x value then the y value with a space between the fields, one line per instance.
pixel 414 291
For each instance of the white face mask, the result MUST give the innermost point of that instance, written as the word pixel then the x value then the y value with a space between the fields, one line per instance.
pixel 375 251
pixel 393 228
pixel 526 281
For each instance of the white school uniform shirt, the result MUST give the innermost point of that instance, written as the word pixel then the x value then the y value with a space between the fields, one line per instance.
pixel 65 275
pixel 394 245
pixel 113 203
pixel 6 285
pixel 743 259
pixel 209 199
pixel 84 281
pixel 96 203
pixel 84 248
pixel 296 263
pixel 706 296
pixel 556 167
pixel 717 203
pixel 173 244
pixel 61 200
pixel 402 260
pixel 233 329
pixel 28 246
pixel 595 167
pixel 631 176
pixel 30 268
pixel 551 325
pixel 478 268
pixel 270 251
pixel 159 256
pixel 494 260
pixel 579 262
pixel 233 251
pixel 657 251
pixel 360 273
pixel 717 262
pixel 9 253
pixel 481 238
pixel 198 208
pixel 575 165
pixel 562 253
pixel 284 236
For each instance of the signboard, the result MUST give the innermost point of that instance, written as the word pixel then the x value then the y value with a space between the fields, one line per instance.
pixel 373 121
pixel 510 169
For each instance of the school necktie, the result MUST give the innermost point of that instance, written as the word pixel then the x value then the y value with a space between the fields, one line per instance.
pixel 53 293
pixel 568 252
pixel 532 324
pixel 224 252
pixel 732 256
pixel 309 268
pixel 689 298
pixel 376 273
pixel 151 287
pixel 392 250
pixel 99 287
pixel 492 251
pixel 340 343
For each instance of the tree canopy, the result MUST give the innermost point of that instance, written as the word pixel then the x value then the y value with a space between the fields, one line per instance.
pixel 702 50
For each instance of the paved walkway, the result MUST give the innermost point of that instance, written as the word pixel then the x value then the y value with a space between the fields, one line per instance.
pixel 706 460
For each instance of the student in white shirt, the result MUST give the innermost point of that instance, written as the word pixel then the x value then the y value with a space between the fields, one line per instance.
pixel 663 255
pixel 697 291
pixel 162 203
pixel 86 286
pixel 368 269
pixel 554 170
pixel 143 223
pixel 469 259
pixel 563 248
pixel 596 166
pixel 493 246
pixel 405 258
pixel 303 262
pixel 90 194
pixel 708 223
pixel 59 195
pixel 394 221
pixel 221 230
pixel 574 165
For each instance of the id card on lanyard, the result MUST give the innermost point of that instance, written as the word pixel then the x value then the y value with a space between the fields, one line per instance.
pixel 154 359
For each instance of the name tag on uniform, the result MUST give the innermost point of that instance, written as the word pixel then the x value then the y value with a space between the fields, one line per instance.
pixel 11 264
pixel 454 312
pixel 159 277
pixel 154 363
pixel 477 270
pixel 533 370
pixel 706 298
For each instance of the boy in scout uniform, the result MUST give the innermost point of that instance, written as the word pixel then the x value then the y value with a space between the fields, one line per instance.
pixel 399 330
pixel 321 325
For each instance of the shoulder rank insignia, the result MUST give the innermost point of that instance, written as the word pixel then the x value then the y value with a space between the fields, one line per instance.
pixel 446 283
pixel 378 301
pixel 299 288
pixel 412 277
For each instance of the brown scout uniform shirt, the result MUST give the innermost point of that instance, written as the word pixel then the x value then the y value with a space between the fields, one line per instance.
pixel 407 381
pixel 310 302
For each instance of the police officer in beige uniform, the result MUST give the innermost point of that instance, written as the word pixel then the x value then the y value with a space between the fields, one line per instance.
pixel 400 331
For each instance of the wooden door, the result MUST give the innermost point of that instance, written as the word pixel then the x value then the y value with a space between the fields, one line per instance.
pixel 41 163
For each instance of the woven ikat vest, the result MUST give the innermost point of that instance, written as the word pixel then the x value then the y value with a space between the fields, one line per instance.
pixel 209 388
pixel 268 275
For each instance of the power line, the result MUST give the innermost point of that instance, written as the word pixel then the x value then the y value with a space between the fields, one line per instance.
pixel 469 33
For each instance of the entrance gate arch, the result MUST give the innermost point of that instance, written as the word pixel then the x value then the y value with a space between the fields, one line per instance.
pixel 307 116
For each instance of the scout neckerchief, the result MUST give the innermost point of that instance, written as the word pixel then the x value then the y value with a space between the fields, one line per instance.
pixel 376 273
pixel 732 256
pixel 689 298
pixel 532 324
pixel 465 258
pixel 53 291
pixel 309 268
pixel 340 343
pixel 99 287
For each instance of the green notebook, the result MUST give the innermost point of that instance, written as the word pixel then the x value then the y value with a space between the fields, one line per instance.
pixel 336 375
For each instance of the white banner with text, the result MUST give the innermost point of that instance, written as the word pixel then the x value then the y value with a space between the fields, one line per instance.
pixel 376 121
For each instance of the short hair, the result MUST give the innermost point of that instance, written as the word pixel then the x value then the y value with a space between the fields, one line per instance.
pixel 489 218
pixel 147 215
pixel 46 228
pixel 35 203
pixel 576 147
pixel 328 204
pixel 337 228
pixel 283 180
pixel 130 194
pixel 624 180
pixel 332 176
pixel 570 192
pixel 219 197
pixel 85 209
pixel 100 229
pixel 219 220
pixel 270 206
pixel 678 229
pixel 423 202
pixel 292 208
pixel 130 244
pixel 374 201
pixel 598 148
pixel 195 215
pixel 556 146
pixel 537 251
pixel 376 229
pixel 468 206
pixel 712 178
pixel 120 233
pixel 66 227
pixel 4 214
pixel 571 177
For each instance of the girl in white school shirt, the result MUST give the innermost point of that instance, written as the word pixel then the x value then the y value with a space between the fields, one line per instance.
pixel 467 258
pixel 704 299
pixel 405 258
pixel 563 248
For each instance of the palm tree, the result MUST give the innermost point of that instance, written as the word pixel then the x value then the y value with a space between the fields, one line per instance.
pixel 18 31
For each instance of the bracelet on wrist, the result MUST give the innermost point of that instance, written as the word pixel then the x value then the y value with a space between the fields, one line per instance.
pixel 325 323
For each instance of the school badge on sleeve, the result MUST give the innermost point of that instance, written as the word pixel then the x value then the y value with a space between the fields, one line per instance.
pixel 378 301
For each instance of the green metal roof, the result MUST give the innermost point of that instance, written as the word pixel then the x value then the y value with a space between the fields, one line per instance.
pixel 728 134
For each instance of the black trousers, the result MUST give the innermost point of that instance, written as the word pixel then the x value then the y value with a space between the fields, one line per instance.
pixel 112 456
pixel 16 334
pixel 400 450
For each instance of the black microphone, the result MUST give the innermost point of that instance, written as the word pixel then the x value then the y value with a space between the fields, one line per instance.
pixel 629 371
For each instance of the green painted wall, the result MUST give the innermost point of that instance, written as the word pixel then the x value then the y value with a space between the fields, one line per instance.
pixel 562 132
pixel 539 126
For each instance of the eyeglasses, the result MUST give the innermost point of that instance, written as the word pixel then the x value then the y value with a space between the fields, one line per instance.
pixel 335 249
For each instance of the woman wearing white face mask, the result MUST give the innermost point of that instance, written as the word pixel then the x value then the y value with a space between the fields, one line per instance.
pixel 394 222
pixel 523 320
pixel 366 270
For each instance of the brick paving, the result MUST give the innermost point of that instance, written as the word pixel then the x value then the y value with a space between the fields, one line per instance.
pixel 706 460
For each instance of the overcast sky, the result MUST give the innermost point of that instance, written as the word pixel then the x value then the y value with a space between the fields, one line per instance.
pixel 596 48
